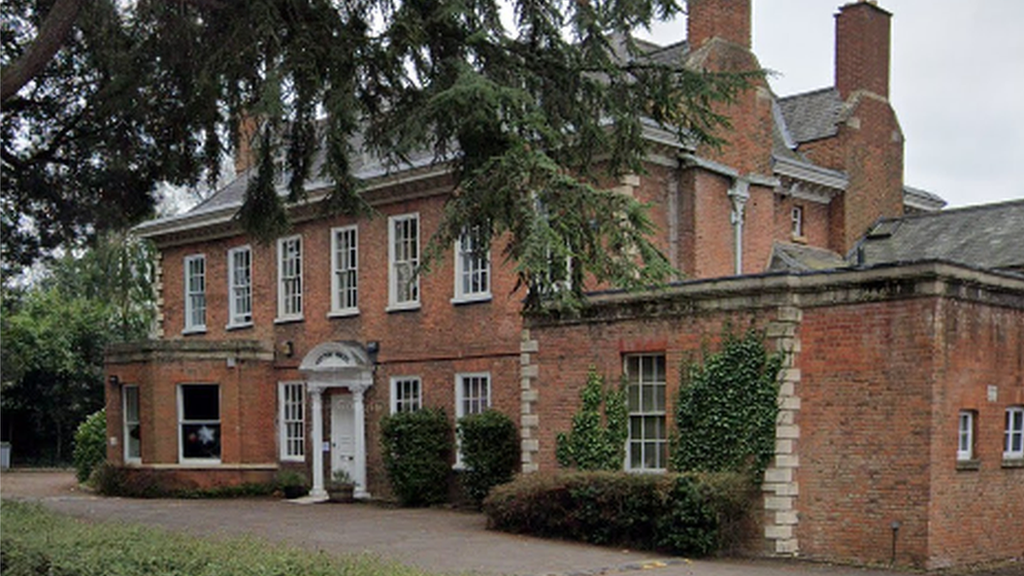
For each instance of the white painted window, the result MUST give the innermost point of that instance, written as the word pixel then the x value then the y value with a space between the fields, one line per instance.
pixel 345 270
pixel 195 293
pixel 472 270
pixel 406 394
pixel 797 216
pixel 291 401
pixel 403 260
pixel 965 435
pixel 132 428
pixel 1014 445
pixel 239 287
pixel 199 422
pixel 647 447
pixel 472 393
pixel 289 278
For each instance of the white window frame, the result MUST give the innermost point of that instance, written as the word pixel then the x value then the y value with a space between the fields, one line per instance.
pixel 1013 445
pixel 182 422
pixel 400 259
pixel 131 421
pixel 344 271
pixel 797 219
pixel 291 417
pixel 239 288
pixel 289 280
pixel 965 436
pixel 460 401
pixel 472 268
pixel 646 380
pixel 195 296
pixel 406 394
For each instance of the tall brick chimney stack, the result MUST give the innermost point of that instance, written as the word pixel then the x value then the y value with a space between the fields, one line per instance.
pixel 725 19
pixel 862 49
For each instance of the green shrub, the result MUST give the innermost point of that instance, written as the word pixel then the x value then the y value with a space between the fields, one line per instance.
pixel 726 410
pixel 37 542
pixel 490 451
pixel 417 448
pixel 90 444
pixel 677 513
pixel 111 480
pixel 597 439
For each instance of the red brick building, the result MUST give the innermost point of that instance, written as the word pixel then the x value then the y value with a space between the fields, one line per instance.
pixel 903 395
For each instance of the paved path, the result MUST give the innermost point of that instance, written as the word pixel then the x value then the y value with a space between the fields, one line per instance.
pixel 437 540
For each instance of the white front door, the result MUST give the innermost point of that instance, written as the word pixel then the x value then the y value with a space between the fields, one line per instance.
pixel 343 435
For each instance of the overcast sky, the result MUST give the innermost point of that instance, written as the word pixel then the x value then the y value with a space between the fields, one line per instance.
pixel 957 84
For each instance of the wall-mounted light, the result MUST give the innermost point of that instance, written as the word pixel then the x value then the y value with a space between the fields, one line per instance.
pixel 373 349
pixel 288 348
pixel 114 380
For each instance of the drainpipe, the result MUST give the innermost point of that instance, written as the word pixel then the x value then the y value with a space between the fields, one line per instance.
pixel 739 194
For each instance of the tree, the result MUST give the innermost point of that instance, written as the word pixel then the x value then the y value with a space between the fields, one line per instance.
pixel 531 119
pixel 51 371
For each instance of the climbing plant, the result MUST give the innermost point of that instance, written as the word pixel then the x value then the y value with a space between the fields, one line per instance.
pixel 597 440
pixel 726 409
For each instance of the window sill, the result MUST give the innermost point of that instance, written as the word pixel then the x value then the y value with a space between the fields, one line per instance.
pixel 406 307
pixel 968 465
pixel 239 326
pixel 1013 462
pixel 199 463
pixel 346 313
pixel 799 239
pixel 471 299
pixel 288 319
pixel 193 331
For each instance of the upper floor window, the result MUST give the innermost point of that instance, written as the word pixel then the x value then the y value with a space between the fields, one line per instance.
pixel 195 293
pixel 1014 444
pixel 403 260
pixel 472 269
pixel 289 278
pixel 406 394
pixel 239 287
pixel 647 447
pixel 199 422
pixel 965 436
pixel 797 217
pixel 344 270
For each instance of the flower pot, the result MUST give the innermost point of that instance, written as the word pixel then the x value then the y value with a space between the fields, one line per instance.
pixel 341 493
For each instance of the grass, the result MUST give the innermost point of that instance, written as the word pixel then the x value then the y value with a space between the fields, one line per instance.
pixel 38 542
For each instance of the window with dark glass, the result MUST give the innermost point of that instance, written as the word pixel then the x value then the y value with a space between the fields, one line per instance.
pixel 199 409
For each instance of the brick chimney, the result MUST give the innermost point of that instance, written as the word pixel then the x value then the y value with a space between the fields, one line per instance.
pixel 862 49
pixel 245 157
pixel 725 19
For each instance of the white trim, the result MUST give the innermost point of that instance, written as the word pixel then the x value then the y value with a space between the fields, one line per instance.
pixel 128 459
pixel 282 298
pixel 412 263
pixel 393 392
pixel 190 326
pixel 810 173
pixel 181 411
pixel 283 419
pixel 965 435
pixel 460 398
pixel 233 322
pixel 1013 433
pixel 337 310
pixel 481 267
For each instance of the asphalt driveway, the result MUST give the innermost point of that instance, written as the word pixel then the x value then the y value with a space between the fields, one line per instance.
pixel 437 540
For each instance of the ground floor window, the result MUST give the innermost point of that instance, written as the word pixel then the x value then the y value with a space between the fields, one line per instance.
pixel 132 429
pixel 1014 446
pixel 406 394
pixel 472 394
pixel 199 421
pixel 647 447
pixel 292 403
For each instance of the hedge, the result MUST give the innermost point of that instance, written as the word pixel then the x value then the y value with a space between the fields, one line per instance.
pixel 490 452
pixel 690 514
pixel 417 447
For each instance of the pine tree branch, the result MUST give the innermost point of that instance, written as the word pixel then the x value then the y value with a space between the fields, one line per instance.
pixel 52 33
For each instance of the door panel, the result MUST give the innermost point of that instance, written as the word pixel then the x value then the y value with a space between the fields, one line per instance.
pixel 343 438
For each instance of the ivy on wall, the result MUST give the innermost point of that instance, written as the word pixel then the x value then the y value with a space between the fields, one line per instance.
pixel 597 439
pixel 727 408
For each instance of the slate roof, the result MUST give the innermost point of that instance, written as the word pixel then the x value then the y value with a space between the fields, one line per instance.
pixel 988 236
pixel 800 258
pixel 812 115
